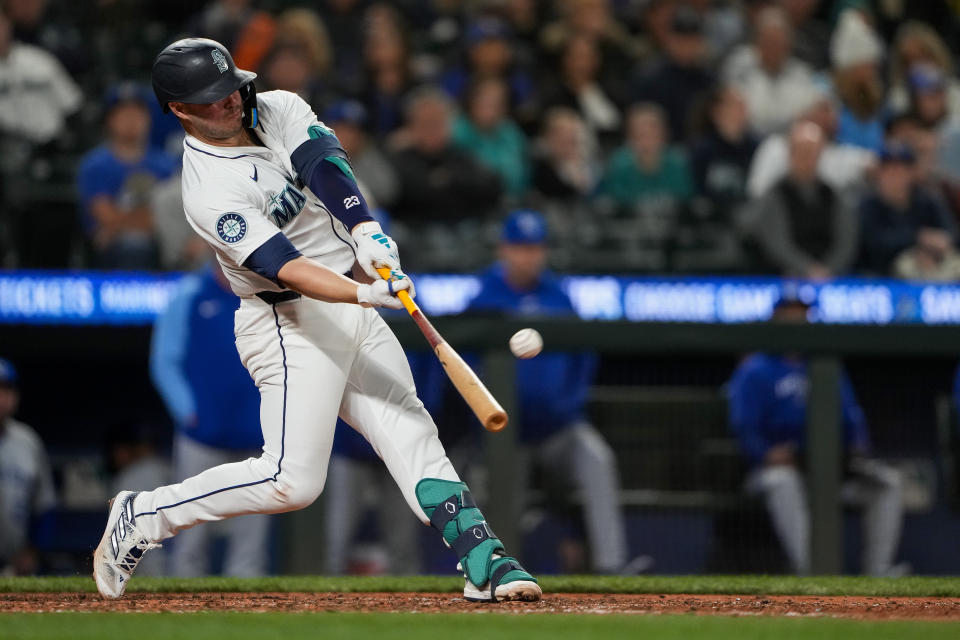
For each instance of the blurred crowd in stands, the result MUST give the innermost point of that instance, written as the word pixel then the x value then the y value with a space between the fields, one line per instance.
pixel 811 138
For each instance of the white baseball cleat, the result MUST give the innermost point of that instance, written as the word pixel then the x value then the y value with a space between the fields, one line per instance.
pixel 120 549
pixel 515 590
pixel 519 590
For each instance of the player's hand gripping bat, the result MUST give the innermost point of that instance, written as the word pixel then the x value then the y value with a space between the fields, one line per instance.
pixel 481 401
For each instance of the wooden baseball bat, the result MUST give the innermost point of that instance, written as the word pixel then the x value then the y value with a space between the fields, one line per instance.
pixel 481 401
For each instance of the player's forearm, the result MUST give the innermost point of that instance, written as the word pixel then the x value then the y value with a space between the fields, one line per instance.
pixel 317 281
pixel 112 219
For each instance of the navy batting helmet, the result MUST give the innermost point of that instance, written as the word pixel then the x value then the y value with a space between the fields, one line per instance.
pixel 202 71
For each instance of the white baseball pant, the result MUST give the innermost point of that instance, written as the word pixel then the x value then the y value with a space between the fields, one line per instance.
pixel 579 455
pixel 879 493
pixel 311 361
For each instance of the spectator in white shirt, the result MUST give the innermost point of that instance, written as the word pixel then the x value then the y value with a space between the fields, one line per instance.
pixel 843 167
pixel 774 83
pixel 36 97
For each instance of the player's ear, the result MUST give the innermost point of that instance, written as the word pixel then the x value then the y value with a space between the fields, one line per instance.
pixel 178 109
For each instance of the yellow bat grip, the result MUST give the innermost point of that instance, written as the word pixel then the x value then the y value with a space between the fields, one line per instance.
pixel 405 298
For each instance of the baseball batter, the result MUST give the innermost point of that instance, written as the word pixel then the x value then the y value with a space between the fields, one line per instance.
pixel 270 189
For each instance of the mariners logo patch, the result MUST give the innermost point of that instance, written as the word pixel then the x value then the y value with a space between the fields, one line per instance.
pixel 220 60
pixel 231 227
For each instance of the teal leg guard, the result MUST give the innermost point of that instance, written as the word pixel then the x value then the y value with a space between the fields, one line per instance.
pixel 453 512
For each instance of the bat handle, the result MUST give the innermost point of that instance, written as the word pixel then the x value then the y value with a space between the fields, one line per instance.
pixel 404 297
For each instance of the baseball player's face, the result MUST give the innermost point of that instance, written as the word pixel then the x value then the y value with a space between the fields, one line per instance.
pixel 219 122
pixel 523 263
pixel 129 122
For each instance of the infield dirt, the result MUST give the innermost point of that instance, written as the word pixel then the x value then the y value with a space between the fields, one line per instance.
pixel 858 607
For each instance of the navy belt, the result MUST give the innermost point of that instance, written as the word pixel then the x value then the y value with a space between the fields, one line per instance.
pixel 273 297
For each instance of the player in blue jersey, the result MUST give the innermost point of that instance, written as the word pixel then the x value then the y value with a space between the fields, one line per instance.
pixel 768 408
pixel 214 405
pixel 553 387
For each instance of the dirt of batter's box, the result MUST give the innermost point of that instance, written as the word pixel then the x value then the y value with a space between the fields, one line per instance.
pixel 862 607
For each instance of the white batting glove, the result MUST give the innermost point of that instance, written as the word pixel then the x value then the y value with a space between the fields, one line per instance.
pixel 383 293
pixel 397 275
pixel 375 249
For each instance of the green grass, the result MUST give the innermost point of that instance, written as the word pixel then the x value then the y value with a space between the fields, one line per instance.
pixel 273 626
pixel 772 585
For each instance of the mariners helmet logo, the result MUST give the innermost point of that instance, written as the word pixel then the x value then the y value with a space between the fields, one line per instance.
pixel 231 227
pixel 219 60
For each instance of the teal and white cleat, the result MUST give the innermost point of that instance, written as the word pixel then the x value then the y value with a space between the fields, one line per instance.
pixel 490 575
pixel 522 587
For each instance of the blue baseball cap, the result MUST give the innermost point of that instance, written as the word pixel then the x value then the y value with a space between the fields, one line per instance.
pixel 524 226
pixel 123 92
pixel 8 374
pixel 924 78
pixel 486 29
pixel 350 111
pixel 897 152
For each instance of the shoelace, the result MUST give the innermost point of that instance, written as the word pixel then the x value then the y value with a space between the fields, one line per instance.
pixel 133 557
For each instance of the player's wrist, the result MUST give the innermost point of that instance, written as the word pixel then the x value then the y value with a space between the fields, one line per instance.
pixel 382 293
pixel 366 228
pixel 364 293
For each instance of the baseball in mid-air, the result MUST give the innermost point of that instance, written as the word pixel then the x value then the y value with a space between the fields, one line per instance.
pixel 526 343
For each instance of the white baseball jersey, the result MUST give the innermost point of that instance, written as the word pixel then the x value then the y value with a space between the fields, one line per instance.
pixel 237 198
pixel 311 360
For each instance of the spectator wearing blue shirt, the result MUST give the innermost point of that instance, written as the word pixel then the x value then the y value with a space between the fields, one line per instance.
pixel 215 407
pixel 552 390
pixel 115 181
pixel 767 410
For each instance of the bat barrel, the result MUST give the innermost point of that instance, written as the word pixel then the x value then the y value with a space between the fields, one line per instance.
pixel 496 421
pixel 478 397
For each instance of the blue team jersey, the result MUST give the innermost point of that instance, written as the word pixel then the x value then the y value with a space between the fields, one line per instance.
pixel 768 406
pixel 196 368
pixel 102 173
pixel 552 388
